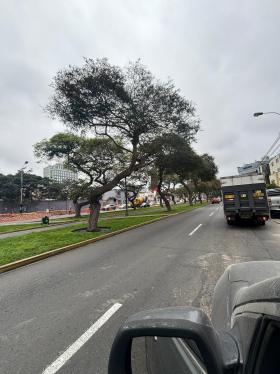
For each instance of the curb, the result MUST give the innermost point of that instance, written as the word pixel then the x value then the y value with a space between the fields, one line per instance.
pixel 277 221
pixel 29 260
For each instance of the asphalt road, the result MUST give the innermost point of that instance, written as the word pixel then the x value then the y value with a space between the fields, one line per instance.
pixel 49 305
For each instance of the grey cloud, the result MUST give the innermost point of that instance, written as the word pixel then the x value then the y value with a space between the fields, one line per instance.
pixel 223 55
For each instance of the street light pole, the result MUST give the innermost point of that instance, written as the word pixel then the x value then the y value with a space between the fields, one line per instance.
pixel 21 184
pixel 21 187
pixel 257 114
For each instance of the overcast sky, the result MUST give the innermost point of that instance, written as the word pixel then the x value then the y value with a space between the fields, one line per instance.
pixel 223 55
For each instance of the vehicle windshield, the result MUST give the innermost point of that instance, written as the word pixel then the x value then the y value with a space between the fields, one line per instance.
pixel 139 160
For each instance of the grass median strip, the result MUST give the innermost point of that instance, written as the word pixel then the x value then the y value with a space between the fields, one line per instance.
pixel 31 244
pixel 5 229
pixel 16 248
pixel 144 211
pixel 155 210
pixel 18 227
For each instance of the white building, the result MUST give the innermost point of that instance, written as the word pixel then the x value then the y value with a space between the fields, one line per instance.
pixel 116 197
pixel 59 173
pixel 251 168
pixel 274 166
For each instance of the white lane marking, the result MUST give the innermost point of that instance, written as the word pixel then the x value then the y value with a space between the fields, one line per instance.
pixel 218 208
pixel 191 233
pixel 72 349
pixel 211 214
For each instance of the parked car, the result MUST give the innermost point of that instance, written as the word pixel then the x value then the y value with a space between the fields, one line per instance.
pixel 274 201
pixel 121 206
pixel 242 336
pixel 146 204
pixel 110 207
pixel 216 200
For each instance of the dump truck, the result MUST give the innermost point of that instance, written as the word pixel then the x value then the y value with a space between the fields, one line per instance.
pixel 244 198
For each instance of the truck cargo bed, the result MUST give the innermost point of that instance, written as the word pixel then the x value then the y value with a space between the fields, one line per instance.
pixel 245 201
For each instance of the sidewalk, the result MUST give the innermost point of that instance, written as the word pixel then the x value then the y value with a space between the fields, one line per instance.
pixel 35 217
pixel 35 220
pixel 36 229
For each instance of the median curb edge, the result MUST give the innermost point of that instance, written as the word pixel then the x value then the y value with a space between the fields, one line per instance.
pixel 29 260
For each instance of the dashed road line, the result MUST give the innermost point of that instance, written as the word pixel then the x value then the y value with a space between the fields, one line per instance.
pixel 73 348
pixel 211 214
pixel 191 233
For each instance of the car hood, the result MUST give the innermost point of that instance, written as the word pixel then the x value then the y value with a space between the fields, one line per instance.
pixel 243 283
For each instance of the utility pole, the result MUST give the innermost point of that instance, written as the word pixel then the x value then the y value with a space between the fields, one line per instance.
pixel 126 206
pixel 265 160
pixel 21 187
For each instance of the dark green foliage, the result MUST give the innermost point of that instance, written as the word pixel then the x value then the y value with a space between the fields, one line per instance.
pixel 34 187
pixel 127 106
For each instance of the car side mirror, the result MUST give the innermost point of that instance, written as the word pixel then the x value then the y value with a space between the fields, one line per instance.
pixel 218 351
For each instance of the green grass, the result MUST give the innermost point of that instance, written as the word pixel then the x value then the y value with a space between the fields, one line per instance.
pixel 157 210
pixel 16 248
pixel 18 227
pixel 142 211
pixel 25 226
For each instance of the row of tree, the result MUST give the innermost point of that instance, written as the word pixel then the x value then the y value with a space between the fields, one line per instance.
pixel 34 188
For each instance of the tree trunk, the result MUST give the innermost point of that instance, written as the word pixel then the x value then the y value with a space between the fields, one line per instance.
pixel 160 201
pixel 160 192
pixel 190 198
pixel 94 209
pixel 188 190
pixel 78 208
pixel 173 199
pixel 166 201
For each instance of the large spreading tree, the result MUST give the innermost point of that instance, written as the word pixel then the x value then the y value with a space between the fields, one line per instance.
pixel 128 106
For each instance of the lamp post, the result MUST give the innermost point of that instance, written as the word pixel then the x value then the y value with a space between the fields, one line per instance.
pixel 257 114
pixel 21 186
pixel 125 187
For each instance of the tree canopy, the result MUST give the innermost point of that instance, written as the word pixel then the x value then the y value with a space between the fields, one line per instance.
pixel 34 187
pixel 126 110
